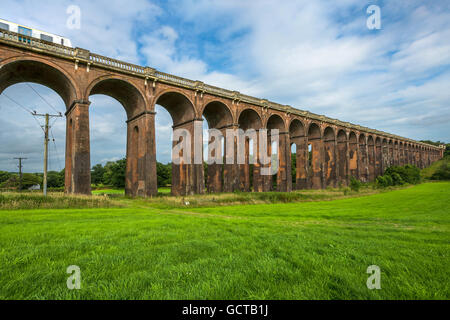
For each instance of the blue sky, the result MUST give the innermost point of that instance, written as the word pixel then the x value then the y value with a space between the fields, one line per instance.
pixel 313 55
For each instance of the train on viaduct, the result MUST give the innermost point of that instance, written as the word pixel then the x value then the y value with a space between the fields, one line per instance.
pixel 328 151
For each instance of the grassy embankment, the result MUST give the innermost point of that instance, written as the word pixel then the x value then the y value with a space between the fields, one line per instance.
pixel 428 172
pixel 307 250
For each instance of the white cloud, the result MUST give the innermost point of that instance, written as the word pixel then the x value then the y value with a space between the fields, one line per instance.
pixel 299 53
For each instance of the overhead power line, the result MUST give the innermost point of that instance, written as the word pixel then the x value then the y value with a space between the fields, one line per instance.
pixel 43 99
pixel 17 103
pixel 46 129
pixel 26 109
pixel 56 149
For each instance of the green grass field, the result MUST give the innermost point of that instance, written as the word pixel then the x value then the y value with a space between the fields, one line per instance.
pixel 306 250
pixel 108 191
pixel 161 191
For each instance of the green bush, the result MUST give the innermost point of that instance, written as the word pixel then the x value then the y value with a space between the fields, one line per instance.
pixel 380 182
pixel 443 173
pixel 397 179
pixel 397 176
pixel 409 174
pixel 4 176
pixel 355 184
pixel 115 173
pixel 389 180
pixel 384 181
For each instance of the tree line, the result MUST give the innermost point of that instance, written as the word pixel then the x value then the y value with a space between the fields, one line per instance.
pixel 10 180
pixel 112 174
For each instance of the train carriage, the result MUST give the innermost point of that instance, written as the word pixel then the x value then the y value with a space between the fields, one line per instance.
pixel 35 33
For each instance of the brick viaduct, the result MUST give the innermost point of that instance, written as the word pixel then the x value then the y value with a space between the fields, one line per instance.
pixel 339 149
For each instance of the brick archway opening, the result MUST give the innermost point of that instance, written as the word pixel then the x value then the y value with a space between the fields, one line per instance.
pixel 390 160
pixel 371 157
pixel 279 153
pixel 363 158
pixel 219 176
pixel 329 163
pixel 353 155
pixel 299 154
pixel 23 134
pixel 41 73
pixel 124 92
pixel 396 154
pixel 378 157
pixel 187 141
pixel 250 119
pixel 138 178
pixel 28 70
pixel 342 148
pixel 314 156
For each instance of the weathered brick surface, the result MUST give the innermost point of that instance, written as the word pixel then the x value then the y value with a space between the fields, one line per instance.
pixel 338 152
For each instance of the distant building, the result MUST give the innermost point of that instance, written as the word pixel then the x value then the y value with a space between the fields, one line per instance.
pixel 35 187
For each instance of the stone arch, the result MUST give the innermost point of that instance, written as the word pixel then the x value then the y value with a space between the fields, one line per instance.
pixel 297 137
pixel 329 161
pixel 139 179
pixel 363 163
pixel 314 131
pixel 396 154
pixel 407 152
pixel 315 149
pixel 371 157
pixel 342 143
pixel 353 155
pixel 179 106
pixel 249 119
pixel 218 115
pixel 416 159
pixel 187 164
pixel 281 169
pixel 130 97
pixel 296 128
pixel 390 159
pixel 378 142
pixel 220 176
pixel 36 70
pixel 30 69
pixel 378 157
pixel 401 153
pixel 425 156
pixel 362 138
pixel 275 121
pixel 328 134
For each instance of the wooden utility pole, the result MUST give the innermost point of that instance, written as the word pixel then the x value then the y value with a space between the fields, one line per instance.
pixel 20 171
pixel 46 129
pixel 47 116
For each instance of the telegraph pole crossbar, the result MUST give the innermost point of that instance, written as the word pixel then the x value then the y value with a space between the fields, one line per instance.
pixel 46 129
